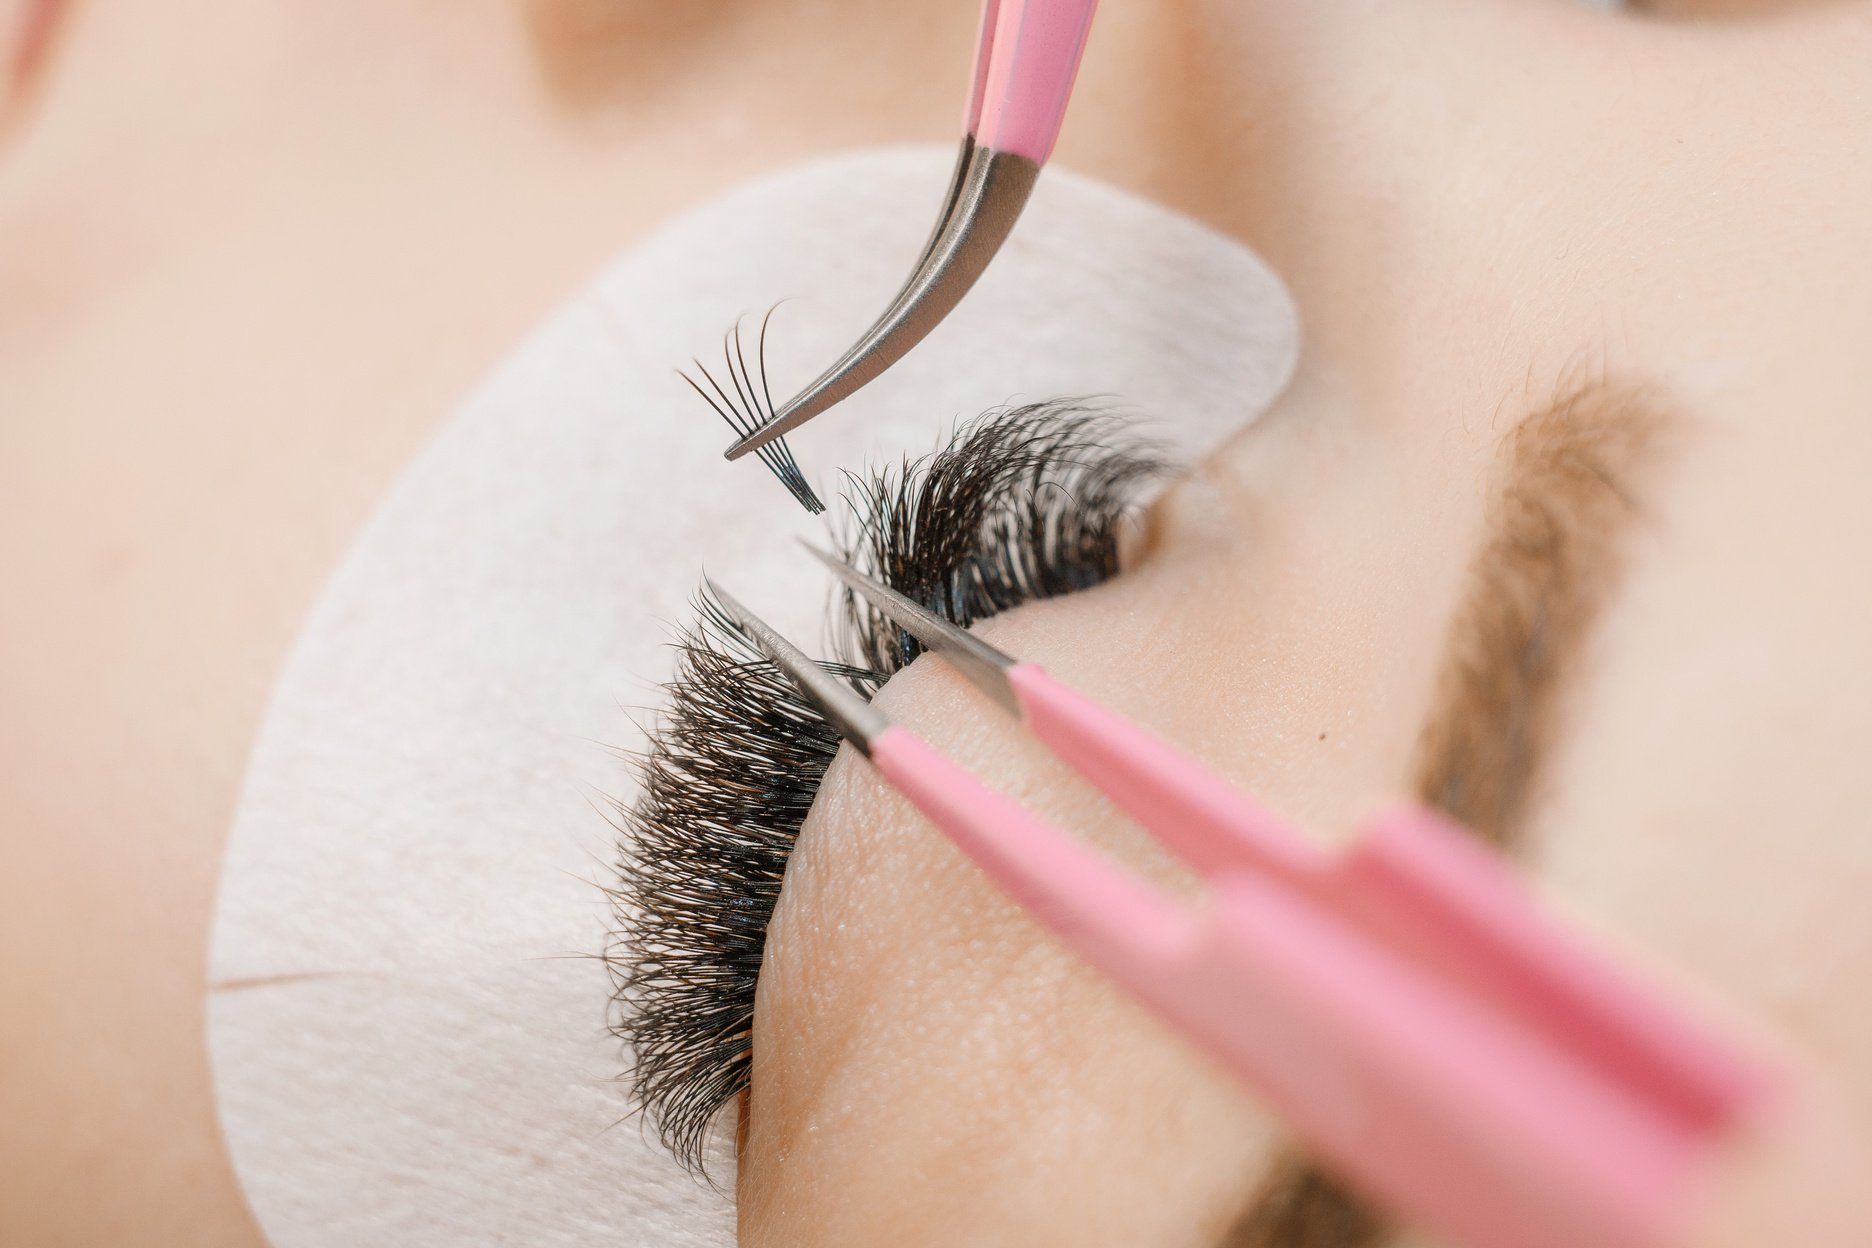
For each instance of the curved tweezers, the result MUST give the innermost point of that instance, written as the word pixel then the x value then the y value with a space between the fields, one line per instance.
pixel 1401 1000
pixel 1025 59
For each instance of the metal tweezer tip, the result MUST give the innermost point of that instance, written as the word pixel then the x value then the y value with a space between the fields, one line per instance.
pixel 856 719
pixel 984 665
pixel 984 202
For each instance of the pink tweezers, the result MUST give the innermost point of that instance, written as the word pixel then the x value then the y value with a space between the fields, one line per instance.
pixel 1026 56
pixel 1402 1003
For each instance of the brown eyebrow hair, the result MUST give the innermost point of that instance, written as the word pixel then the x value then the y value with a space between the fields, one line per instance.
pixel 1551 560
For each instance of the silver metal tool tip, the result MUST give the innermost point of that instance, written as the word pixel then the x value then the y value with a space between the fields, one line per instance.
pixel 984 202
pixel 985 666
pixel 856 719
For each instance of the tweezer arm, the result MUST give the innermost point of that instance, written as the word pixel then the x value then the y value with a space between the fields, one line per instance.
pixel 1026 58
pixel 1410 879
pixel 1451 1106
pixel 1527 1109
pixel 994 189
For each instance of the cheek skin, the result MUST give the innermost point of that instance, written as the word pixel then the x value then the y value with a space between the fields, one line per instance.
pixel 929 1066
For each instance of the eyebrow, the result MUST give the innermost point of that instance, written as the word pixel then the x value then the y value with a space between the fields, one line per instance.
pixel 1551 560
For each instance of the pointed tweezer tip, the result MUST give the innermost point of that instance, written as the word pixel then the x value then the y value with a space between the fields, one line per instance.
pixel 980 662
pixel 751 442
pixel 855 718
pixel 986 195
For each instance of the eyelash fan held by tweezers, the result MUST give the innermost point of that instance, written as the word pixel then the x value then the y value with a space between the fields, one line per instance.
pixel 752 406
pixel 1021 504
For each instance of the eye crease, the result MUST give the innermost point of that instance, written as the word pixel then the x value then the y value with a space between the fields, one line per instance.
pixel 1021 504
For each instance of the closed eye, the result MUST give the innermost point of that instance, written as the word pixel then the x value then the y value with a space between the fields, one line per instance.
pixel 1021 503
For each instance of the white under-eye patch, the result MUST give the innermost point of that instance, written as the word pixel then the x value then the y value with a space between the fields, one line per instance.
pixel 403 1050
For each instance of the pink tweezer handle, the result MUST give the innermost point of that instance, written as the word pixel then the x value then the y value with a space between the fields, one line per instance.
pixel 1461 937
pixel 1460 1118
pixel 1203 819
pixel 1448 1112
pixel 1023 85
pixel 1419 883
pixel 984 56
pixel 1472 918
pixel 1120 924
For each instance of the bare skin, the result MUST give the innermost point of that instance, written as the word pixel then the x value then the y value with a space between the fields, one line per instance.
pixel 1523 199
pixel 249 267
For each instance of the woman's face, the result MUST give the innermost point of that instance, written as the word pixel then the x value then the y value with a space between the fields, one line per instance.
pixel 1603 608
pixel 1482 206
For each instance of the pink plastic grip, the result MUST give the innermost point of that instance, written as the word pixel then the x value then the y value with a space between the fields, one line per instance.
pixel 1120 924
pixel 1471 916
pixel 1447 1112
pixel 1627 1075
pixel 1453 1114
pixel 1424 885
pixel 1029 77
pixel 984 49
pixel 1200 817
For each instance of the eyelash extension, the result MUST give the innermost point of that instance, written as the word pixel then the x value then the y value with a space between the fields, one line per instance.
pixel 751 408
pixel 1021 503
pixel 725 787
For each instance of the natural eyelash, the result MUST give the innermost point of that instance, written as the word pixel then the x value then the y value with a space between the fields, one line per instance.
pixel 725 788
pixel 1022 503
pixel 752 407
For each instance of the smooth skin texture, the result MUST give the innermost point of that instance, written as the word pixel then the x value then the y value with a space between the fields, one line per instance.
pixel 251 253
pixel 1479 205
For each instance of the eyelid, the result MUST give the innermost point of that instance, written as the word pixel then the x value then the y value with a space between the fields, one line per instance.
pixel 973 530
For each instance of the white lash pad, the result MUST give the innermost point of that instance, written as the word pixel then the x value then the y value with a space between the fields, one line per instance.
pixel 407 1047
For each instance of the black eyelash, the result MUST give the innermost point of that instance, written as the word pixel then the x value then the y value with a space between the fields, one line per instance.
pixel 725 787
pixel 1022 503
pixel 750 408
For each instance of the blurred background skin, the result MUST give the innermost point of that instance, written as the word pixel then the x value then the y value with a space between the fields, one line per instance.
pixel 251 253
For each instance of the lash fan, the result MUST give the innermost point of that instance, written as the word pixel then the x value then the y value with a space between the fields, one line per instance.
pixel 751 409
